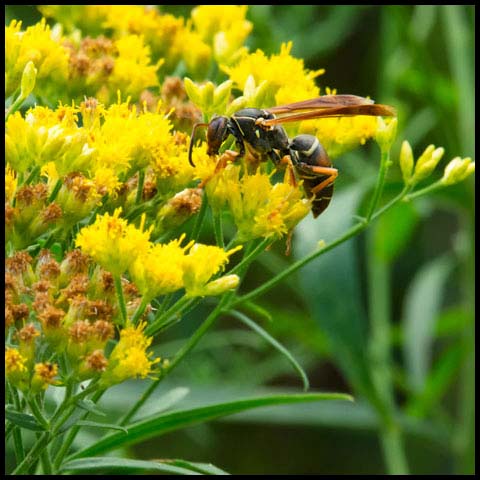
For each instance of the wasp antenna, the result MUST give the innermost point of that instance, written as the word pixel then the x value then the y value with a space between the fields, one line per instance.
pixel 192 139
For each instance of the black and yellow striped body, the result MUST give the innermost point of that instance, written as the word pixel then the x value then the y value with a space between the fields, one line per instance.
pixel 314 167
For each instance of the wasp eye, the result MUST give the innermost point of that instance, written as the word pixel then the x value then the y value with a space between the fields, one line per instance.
pixel 216 134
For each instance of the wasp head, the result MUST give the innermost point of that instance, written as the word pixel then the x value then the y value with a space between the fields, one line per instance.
pixel 217 133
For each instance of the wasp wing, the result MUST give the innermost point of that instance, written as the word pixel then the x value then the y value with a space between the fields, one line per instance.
pixel 376 110
pixel 325 101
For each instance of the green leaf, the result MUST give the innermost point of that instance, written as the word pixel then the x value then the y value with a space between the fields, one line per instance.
pixel 438 382
pixel 89 423
pixel 121 465
pixel 203 468
pixel 330 286
pixel 423 301
pixel 394 229
pixel 168 422
pixel 90 406
pixel 278 346
pixel 23 420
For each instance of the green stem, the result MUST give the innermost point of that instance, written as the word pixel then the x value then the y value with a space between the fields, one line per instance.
pixel 37 413
pixel 72 434
pixel 145 396
pixel 33 454
pixel 247 259
pixel 192 341
pixel 121 300
pixel 56 189
pixel 380 358
pixel 17 433
pixel 32 175
pixel 429 189
pixel 18 444
pixel 46 461
pixel 199 333
pixel 218 229
pixel 141 308
pixel 392 444
pixel 15 106
pixel 200 218
pixel 299 264
pixel 141 181
pixel 175 309
pixel 384 164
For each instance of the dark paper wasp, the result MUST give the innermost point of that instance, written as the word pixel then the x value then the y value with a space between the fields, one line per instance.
pixel 259 132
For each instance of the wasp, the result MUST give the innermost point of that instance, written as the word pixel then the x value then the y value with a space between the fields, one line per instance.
pixel 260 133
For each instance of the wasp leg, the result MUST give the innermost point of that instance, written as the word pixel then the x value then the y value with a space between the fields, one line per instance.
pixel 290 171
pixel 330 172
pixel 225 157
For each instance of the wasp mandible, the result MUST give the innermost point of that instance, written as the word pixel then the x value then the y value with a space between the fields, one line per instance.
pixel 259 132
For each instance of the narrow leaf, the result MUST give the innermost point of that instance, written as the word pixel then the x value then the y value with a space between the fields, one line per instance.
pixel 203 468
pixel 23 420
pixel 422 305
pixel 122 465
pixel 168 422
pixel 275 344
pixel 89 423
pixel 90 406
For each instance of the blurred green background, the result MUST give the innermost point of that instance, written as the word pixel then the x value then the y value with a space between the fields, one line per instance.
pixel 414 268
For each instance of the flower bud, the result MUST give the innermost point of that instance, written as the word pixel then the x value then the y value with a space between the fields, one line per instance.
pixel 427 162
pixel 29 76
pixel 406 161
pixel 386 133
pixel 220 285
pixel 221 95
pixel 457 170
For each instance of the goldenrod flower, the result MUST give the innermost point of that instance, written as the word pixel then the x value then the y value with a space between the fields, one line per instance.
pixel 113 243
pixel 11 181
pixel 15 368
pixel 39 139
pixel 259 208
pixel 288 80
pixel 86 18
pixel 162 32
pixel 224 27
pixel 129 358
pixel 158 269
pixel 201 264
pixel 178 209
pixel 100 66
pixel 14 362
pixel 132 72
pixel 197 54
pixel 35 44
pixel 44 374
pixel 338 135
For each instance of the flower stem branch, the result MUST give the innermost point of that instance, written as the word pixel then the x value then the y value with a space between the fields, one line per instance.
pixel 121 300
pixel 385 162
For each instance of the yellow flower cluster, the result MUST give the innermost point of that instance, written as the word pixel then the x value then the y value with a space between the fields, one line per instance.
pixel 224 28
pixel 129 358
pixel 288 80
pixel 38 45
pixel 72 69
pixel 156 269
pixel 107 231
pixel 258 207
